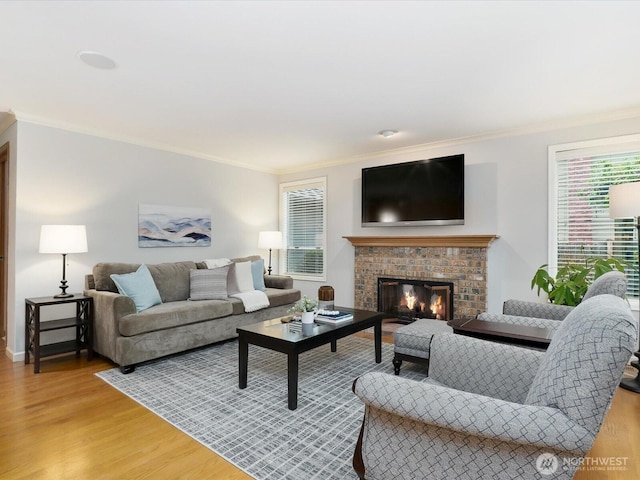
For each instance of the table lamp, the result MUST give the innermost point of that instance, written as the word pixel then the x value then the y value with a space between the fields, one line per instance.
pixel 63 239
pixel 270 240
pixel 624 202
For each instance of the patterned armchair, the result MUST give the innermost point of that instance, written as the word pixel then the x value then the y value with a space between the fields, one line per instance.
pixel 547 315
pixel 497 411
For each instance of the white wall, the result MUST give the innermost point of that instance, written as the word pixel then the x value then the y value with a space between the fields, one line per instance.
pixel 506 194
pixel 65 177
pixel 62 177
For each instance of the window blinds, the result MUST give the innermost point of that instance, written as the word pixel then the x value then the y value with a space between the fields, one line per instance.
pixel 583 226
pixel 304 218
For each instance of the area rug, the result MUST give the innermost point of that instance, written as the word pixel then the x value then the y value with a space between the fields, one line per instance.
pixel 198 393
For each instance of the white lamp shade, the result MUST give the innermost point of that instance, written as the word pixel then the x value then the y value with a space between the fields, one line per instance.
pixel 63 239
pixel 624 200
pixel 270 240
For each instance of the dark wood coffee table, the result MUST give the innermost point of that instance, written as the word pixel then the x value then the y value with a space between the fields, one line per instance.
pixel 503 332
pixel 282 337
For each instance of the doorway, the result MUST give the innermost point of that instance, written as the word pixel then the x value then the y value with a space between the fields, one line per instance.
pixel 4 177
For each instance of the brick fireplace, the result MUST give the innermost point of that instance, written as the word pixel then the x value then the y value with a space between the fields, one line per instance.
pixel 460 259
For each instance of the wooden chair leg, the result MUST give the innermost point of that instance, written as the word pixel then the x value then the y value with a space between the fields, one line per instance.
pixel 358 462
pixel 397 363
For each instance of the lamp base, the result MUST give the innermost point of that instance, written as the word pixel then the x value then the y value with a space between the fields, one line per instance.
pixel 63 295
pixel 63 287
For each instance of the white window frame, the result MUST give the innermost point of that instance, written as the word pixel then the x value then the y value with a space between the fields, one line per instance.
pixel 600 146
pixel 301 184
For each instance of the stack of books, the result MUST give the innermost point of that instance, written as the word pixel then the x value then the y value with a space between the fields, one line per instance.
pixel 333 317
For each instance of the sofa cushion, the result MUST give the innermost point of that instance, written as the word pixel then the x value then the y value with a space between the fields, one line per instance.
pixel 173 314
pixel 102 274
pixel 209 284
pixel 172 280
pixel 138 286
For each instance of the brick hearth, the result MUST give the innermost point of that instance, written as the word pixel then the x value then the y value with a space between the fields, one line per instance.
pixel 464 263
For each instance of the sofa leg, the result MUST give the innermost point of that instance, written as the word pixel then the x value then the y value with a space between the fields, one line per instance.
pixel 127 368
pixel 397 362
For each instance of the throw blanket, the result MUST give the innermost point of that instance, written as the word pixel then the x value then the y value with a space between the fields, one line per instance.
pixel 252 300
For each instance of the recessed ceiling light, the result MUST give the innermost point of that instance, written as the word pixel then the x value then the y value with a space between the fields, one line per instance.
pixel 97 60
pixel 387 133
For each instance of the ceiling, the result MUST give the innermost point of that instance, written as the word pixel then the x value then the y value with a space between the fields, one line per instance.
pixel 286 85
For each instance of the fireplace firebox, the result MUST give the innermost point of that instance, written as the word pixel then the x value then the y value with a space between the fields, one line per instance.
pixel 409 299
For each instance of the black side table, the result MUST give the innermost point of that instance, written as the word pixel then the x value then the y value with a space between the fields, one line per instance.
pixel 82 322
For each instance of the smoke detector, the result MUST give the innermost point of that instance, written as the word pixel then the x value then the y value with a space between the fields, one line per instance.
pixel 387 133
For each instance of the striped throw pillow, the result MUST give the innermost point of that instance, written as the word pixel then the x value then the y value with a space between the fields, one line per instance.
pixel 209 284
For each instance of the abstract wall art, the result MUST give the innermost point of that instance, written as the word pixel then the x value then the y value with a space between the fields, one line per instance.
pixel 167 226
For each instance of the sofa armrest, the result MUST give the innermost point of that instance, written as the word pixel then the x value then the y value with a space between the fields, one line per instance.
pixel 278 281
pixel 472 414
pixel 523 308
pixel 108 308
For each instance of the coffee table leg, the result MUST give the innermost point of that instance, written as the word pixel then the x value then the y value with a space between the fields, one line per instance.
pixel 292 380
pixel 243 360
pixel 377 333
pixel 334 346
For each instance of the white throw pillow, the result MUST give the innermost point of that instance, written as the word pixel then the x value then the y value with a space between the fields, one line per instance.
pixel 244 277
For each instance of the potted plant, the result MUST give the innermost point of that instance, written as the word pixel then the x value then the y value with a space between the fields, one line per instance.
pixel 307 307
pixel 572 280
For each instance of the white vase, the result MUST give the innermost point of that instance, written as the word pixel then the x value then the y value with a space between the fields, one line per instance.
pixel 307 317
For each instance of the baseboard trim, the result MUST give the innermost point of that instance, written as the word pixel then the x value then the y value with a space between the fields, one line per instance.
pixel 14 357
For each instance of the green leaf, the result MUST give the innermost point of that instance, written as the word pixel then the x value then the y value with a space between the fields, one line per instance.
pixel 542 280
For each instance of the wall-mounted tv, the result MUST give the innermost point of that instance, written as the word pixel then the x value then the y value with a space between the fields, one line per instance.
pixel 422 192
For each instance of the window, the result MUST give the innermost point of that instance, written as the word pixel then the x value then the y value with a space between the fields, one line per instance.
pixel 303 207
pixel 580 175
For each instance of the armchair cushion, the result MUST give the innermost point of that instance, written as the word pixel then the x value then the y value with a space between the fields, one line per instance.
pixel 486 368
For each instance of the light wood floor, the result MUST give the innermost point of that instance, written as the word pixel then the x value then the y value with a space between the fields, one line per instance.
pixel 65 423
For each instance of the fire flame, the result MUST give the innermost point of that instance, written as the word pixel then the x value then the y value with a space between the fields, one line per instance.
pixel 411 299
pixel 437 306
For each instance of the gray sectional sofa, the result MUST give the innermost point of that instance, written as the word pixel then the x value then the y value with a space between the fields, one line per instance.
pixel 128 337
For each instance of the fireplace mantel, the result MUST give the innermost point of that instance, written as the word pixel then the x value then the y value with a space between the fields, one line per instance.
pixel 460 241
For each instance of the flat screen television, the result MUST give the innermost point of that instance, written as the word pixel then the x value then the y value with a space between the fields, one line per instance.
pixel 422 192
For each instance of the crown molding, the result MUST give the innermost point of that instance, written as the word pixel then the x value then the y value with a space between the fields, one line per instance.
pixel 504 133
pixel 510 132
pixel 71 127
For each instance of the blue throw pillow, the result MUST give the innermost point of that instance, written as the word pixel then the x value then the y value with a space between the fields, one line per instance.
pixel 257 272
pixel 139 286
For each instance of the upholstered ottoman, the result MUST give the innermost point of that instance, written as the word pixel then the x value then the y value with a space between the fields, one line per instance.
pixel 412 342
